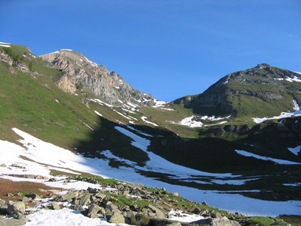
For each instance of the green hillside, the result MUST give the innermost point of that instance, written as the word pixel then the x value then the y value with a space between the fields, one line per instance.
pixel 31 100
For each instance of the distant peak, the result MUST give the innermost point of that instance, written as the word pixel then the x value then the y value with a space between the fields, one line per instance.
pixel 262 66
pixel 70 50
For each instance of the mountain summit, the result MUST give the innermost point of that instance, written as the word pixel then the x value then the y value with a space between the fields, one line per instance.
pixel 81 73
pixel 260 91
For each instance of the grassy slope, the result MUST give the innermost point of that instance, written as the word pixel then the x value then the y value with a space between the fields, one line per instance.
pixel 28 102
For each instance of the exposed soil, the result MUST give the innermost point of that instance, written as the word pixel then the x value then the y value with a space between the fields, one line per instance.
pixel 8 188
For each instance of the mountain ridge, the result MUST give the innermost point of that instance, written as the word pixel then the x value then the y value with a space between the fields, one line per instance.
pixel 84 74
pixel 264 84
pixel 252 154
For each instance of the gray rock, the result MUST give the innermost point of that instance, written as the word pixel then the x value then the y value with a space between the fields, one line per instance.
pixel 16 209
pixel 95 211
pixel 32 196
pixel 85 200
pixel 110 209
pixel 224 221
pixel 117 218
pixel 158 213
pixel 163 222
pixel 70 196
pixel 55 206
pixel 12 222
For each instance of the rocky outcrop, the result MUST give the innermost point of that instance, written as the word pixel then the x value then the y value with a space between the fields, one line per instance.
pixel 82 74
pixel 104 203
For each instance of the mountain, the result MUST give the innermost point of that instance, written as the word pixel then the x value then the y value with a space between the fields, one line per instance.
pixel 260 91
pixel 240 138
pixel 80 73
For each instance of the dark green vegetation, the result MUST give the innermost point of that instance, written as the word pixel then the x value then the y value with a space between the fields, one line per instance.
pixel 31 101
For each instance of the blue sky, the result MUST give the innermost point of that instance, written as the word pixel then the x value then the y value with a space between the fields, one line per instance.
pixel 168 48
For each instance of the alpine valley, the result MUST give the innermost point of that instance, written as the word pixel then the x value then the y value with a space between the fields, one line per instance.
pixel 235 147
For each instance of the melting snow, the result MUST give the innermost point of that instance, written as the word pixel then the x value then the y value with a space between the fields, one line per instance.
pixel 295 150
pixel 96 112
pixel 191 123
pixel 4 44
pixel 144 119
pixel 70 50
pixel 63 217
pixel 282 115
pixel 183 217
pixel 278 161
pixel 43 155
pixel 159 103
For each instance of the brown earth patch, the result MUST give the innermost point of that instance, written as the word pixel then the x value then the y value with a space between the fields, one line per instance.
pixel 17 188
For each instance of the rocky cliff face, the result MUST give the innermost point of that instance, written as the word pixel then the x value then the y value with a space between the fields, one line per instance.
pixel 80 73
pixel 238 92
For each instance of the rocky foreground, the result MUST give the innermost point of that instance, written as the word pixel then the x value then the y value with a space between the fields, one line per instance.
pixel 121 203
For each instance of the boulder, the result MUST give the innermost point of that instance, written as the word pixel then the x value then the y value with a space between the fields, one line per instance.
pixel 224 221
pixel 95 211
pixel 158 213
pixel 55 206
pixel 110 209
pixel 3 207
pixel 16 209
pixel 12 222
pixel 69 197
pixel 85 200
pixel 117 218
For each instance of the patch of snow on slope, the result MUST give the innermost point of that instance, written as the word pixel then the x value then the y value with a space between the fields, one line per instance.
pixel 98 101
pixel 296 105
pixel 183 217
pixel 190 122
pixel 128 117
pixel 96 112
pixel 48 154
pixel 294 79
pixel 144 119
pixel 264 158
pixel 193 123
pixel 64 217
pixel 295 150
pixel 158 164
pixel 4 44
pixel 282 115
pixel 159 103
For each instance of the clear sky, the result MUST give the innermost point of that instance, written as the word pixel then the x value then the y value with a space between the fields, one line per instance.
pixel 167 48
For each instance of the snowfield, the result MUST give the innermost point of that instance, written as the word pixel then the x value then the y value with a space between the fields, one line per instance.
pixel 36 157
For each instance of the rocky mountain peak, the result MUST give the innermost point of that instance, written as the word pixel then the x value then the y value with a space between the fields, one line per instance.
pixel 242 92
pixel 84 74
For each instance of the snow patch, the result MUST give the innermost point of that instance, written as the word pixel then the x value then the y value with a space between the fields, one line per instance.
pixel 190 122
pixel 282 114
pixel 43 155
pixel 96 112
pixel 69 50
pixel 183 217
pixel 193 123
pixel 4 44
pixel 295 150
pixel 159 103
pixel 93 64
pixel 265 158
pixel 144 119
pixel 64 217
